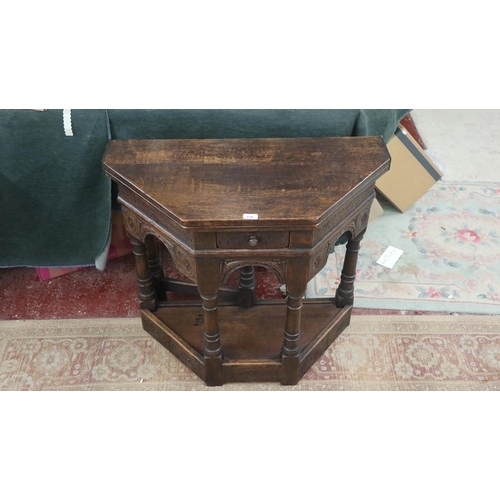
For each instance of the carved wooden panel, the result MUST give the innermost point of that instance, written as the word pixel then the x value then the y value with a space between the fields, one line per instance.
pixel 349 210
pixel 278 266
pixel 140 228
pixel 319 258
pixel 355 226
pixel 135 203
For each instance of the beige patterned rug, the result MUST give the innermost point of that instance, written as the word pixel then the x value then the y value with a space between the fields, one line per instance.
pixel 390 353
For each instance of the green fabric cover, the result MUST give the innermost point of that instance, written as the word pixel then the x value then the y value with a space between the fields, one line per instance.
pixel 55 201
pixel 251 123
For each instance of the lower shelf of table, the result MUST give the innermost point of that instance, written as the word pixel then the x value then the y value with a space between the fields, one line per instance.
pixel 251 338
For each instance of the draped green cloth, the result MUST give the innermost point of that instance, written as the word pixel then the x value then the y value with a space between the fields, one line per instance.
pixel 55 201
pixel 252 123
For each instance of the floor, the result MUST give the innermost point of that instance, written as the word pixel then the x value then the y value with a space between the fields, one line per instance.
pixel 113 293
pixel 464 143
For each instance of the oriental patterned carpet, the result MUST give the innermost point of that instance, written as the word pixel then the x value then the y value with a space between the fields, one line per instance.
pixel 451 260
pixel 389 353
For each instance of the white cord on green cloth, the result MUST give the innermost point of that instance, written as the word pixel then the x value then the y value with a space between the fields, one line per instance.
pixel 68 128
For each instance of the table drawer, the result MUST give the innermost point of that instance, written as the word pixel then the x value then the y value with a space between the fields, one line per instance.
pixel 253 240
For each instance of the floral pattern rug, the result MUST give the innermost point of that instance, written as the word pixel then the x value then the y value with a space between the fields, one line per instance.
pixel 390 352
pixel 451 260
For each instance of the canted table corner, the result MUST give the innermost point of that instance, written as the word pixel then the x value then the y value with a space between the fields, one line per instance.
pixel 219 206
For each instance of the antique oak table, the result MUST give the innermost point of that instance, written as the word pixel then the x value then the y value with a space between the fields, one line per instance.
pixel 219 206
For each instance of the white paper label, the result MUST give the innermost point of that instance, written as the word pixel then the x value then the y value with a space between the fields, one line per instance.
pixel 251 216
pixel 390 257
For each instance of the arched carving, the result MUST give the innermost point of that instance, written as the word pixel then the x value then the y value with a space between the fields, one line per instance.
pixel 349 229
pixel 320 256
pixel 141 229
pixel 349 211
pixel 183 262
pixel 277 266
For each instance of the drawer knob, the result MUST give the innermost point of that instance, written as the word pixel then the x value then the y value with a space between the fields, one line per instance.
pixel 253 241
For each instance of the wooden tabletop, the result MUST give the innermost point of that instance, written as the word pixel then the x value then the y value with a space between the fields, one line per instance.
pixel 213 183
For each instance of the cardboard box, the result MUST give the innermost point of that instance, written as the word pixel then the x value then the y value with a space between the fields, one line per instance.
pixel 412 171
pixel 120 246
pixel 376 211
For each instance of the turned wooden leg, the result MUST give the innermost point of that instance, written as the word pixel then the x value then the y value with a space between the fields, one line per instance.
pixel 345 291
pixel 147 295
pixel 247 286
pixel 290 351
pixel 154 255
pixel 212 349
pixel 292 326
pixel 208 286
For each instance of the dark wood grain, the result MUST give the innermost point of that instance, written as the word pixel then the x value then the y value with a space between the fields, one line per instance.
pixel 251 338
pixel 191 195
pixel 248 333
pixel 214 182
